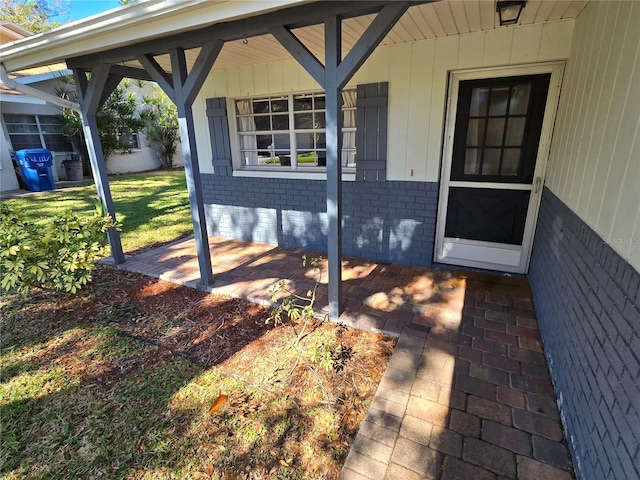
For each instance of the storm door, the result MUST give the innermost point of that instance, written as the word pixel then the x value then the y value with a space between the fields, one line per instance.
pixel 491 185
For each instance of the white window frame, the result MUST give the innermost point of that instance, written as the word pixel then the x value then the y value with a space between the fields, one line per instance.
pixel 240 169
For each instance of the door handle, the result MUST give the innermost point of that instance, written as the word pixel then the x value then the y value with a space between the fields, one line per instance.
pixel 538 185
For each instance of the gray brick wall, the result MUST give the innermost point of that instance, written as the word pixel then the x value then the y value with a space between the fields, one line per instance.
pixel 587 303
pixel 385 221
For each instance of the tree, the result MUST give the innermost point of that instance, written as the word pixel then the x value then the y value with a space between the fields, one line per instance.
pixel 117 119
pixel 34 15
pixel 160 118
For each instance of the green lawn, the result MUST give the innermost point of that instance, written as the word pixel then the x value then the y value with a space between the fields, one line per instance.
pixel 153 207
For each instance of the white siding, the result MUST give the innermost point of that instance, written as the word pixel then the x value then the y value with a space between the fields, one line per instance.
pixel 594 164
pixel 417 74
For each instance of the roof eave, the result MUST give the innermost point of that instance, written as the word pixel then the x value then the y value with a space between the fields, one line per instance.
pixel 128 25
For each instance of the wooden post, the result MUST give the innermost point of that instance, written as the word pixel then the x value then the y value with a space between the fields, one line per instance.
pixel 90 94
pixel 191 165
pixel 333 113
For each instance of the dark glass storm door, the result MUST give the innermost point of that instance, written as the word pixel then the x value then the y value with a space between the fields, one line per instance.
pixel 492 174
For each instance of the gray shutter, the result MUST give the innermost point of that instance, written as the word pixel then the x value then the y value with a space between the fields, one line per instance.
pixel 219 135
pixel 371 133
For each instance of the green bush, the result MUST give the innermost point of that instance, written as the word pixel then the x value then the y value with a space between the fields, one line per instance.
pixel 57 254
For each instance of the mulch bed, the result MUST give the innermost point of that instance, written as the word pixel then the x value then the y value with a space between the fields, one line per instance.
pixel 322 404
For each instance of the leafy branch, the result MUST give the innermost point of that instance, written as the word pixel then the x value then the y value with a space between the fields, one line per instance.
pixel 59 254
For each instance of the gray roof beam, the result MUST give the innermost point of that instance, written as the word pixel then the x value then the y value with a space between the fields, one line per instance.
pixel 370 39
pixel 201 69
pixel 300 52
pixel 158 75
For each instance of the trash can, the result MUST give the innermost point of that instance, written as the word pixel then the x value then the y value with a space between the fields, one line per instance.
pixel 35 166
pixel 73 167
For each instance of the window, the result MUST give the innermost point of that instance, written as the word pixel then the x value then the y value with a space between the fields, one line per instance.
pixel 36 131
pixel 132 139
pixel 289 130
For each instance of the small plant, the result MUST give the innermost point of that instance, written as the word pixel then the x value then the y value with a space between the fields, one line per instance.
pixel 58 254
pixel 329 354
pixel 294 307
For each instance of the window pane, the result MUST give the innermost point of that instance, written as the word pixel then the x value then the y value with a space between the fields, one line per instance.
pixel 479 101
pixel 304 141
pixel 280 106
pixel 499 99
pixel 472 161
pixel 50 120
pixel 246 124
pixel 304 120
pixel 281 144
pixel 263 141
pixel 16 118
pixel 321 141
pixel 515 131
pixel 263 123
pixel 302 104
pixel 50 128
pixel 511 162
pixel 280 122
pixel 495 132
pixel 18 142
pixel 59 143
pixel 319 102
pixel 520 100
pixel 348 118
pixel 491 162
pixel 348 158
pixel 261 106
pixel 320 120
pixel 22 128
pixel 308 159
pixel 475 132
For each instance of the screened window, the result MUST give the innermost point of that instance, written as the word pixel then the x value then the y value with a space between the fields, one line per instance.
pixel 496 130
pixel 36 131
pixel 289 130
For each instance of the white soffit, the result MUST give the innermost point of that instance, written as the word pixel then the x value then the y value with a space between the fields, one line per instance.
pixel 433 20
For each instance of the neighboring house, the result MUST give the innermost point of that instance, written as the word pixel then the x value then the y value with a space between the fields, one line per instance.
pixel 30 122
pixel 463 143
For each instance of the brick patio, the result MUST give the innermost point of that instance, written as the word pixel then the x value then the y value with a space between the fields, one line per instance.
pixel 466 395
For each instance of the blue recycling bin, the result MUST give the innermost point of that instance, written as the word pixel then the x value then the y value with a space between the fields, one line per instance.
pixel 35 166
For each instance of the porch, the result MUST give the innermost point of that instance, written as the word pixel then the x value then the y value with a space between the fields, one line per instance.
pixel 467 392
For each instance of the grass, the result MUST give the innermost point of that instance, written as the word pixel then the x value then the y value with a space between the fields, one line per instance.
pixel 153 208
pixel 119 381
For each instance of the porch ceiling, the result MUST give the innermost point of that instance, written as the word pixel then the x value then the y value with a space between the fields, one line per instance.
pixel 430 20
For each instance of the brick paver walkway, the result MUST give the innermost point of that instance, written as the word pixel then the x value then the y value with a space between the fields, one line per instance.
pixel 466 395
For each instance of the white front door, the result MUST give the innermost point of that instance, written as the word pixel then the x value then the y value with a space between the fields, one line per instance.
pixel 497 138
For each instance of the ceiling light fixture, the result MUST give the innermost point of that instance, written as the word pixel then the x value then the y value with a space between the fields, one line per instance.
pixel 509 11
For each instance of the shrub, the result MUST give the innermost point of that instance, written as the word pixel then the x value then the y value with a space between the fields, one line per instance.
pixel 160 126
pixel 57 254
